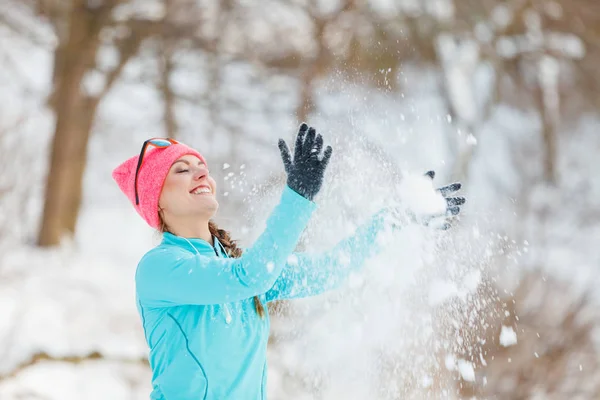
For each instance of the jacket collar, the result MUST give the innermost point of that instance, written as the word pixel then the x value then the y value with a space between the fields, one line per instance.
pixel 195 245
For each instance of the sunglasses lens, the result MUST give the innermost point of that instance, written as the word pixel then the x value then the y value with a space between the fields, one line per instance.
pixel 160 142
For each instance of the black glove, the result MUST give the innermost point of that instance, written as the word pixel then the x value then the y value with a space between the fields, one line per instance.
pixel 305 173
pixel 453 203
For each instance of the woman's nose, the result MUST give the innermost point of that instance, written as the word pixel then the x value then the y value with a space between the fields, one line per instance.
pixel 201 173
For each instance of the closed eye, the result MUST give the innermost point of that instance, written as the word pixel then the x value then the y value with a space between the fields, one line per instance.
pixel 181 171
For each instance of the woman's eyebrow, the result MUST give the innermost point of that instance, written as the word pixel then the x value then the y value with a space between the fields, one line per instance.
pixel 200 162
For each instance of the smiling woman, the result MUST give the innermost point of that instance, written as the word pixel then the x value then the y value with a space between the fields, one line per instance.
pixel 201 298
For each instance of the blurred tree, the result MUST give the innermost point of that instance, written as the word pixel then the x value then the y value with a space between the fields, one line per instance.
pixel 538 54
pixel 79 84
pixel 555 353
pixel 541 53
pixel 166 67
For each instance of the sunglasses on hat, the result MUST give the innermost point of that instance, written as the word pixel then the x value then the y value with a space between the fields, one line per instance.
pixel 155 142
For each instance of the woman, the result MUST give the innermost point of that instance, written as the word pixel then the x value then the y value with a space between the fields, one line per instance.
pixel 202 301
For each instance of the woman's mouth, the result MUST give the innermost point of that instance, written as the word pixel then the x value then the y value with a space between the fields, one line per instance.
pixel 200 190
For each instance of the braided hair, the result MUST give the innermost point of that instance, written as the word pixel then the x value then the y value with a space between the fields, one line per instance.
pixel 233 251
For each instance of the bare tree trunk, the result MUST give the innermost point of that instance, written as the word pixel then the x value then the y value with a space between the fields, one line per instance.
pixel 74 119
pixel 548 138
pixel 75 110
pixel 549 144
pixel 166 67
pixel 311 73
pixel 82 132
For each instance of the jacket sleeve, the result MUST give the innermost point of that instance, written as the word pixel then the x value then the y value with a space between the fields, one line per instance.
pixel 171 275
pixel 308 275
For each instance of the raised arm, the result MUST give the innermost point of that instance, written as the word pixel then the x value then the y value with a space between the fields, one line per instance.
pixel 308 275
pixel 171 275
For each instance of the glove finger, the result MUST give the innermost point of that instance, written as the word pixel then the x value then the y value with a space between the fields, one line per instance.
pixel 300 142
pixel 449 189
pixel 453 210
pixel 309 142
pixel 445 226
pixel 326 157
pixel 430 174
pixel 318 145
pixel 437 222
pixel 455 201
pixel 285 155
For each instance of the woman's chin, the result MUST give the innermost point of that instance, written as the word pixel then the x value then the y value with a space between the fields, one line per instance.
pixel 208 202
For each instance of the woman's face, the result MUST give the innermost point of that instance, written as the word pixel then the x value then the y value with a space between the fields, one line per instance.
pixel 188 190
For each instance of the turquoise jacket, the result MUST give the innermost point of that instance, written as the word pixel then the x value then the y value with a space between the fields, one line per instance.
pixel 205 337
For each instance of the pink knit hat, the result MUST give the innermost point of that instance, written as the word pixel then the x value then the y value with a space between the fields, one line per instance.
pixel 151 177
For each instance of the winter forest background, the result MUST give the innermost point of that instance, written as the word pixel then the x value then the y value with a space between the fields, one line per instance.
pixel 501 95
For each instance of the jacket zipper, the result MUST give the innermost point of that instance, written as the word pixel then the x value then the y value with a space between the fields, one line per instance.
pixel 225 306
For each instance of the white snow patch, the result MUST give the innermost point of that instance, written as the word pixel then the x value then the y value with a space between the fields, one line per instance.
pixel 292 259
pixel 450 362
pixel 506 47
pixel 93 82
pixel 502 15
pixel 508 336
pixel 472 280
pixel 417 193
pixel 426 381
pixel 440 291
pixel 483 362
pixel 471 140
pixel 566 43
pixel 270 266
pixel 466 370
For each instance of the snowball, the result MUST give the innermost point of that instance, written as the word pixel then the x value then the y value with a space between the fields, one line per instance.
pixel 450 362
pixel 482 360
pixel 466 370
pixel 417 193
pixel 508 336
pixel 471 140
pixel 270 266
pixel 426 381
pixel 292 259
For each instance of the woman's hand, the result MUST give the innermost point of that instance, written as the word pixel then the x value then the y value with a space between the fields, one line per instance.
pixel 421 203
pixel 452 203
pixel 305 172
